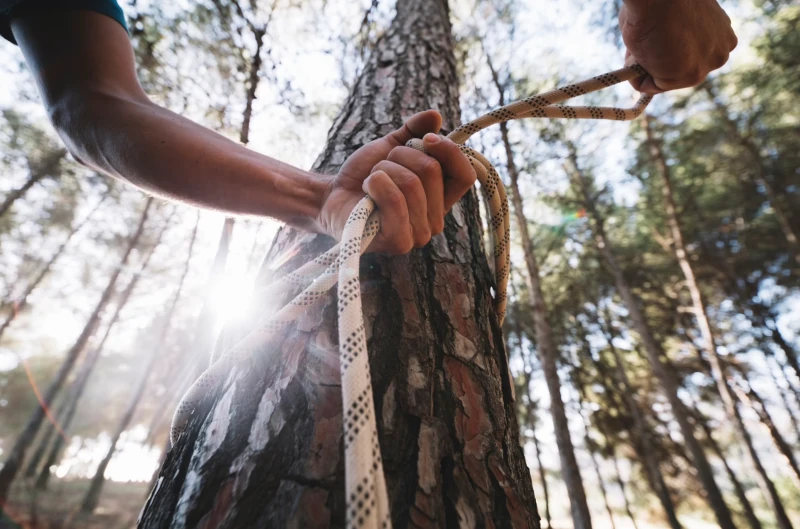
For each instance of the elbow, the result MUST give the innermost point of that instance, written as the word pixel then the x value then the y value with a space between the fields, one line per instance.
pixel 70 115
pixel 88 123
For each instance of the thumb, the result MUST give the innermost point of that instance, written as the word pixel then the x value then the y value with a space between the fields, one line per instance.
pixel 416 126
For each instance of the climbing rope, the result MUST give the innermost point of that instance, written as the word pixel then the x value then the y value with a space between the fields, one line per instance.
pixel 367 499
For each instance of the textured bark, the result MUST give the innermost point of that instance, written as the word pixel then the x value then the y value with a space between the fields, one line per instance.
pixel 700 310
pixel 655 353
pixel 267 449
pixel 98 480
pixel 22 301
pixel 84 374
pixel 545 345
pixel 25 438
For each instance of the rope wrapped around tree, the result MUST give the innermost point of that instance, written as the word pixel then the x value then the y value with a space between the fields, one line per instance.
pixel 367 498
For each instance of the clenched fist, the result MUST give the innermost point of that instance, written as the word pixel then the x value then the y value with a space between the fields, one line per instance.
pixel 413 191
pixel 677 41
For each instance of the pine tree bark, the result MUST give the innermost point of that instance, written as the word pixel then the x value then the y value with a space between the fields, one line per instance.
pixel 655 353
pixel 92 496
pixel 701 314
pixel 25 438
pixel 267 449
pixel 545 345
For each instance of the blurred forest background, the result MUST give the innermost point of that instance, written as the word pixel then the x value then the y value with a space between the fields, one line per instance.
pixel 662 257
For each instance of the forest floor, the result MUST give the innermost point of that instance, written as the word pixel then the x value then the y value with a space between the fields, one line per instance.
pixel 119 506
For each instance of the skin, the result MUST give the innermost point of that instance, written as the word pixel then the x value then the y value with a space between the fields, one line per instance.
pixel 108 123
pixel 679 42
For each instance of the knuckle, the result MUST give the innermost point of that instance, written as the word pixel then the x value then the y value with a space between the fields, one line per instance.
pixel 430 167
pixel 421 238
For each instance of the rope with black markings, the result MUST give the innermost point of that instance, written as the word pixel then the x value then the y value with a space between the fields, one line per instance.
pixel 367 499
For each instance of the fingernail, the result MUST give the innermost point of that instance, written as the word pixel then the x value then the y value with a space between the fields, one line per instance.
pixel 431 138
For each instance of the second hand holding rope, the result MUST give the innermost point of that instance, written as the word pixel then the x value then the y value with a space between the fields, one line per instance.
pixel 366 495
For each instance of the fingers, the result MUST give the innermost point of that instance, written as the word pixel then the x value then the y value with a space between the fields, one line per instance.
pixel 416 126
pixel 410 186
pixel 395 236
pixel 459 175
pixel 429 173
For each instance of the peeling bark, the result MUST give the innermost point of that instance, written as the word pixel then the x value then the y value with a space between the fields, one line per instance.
pixel 265 450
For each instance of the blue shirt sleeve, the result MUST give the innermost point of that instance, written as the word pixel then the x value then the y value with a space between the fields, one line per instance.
pixel 11 8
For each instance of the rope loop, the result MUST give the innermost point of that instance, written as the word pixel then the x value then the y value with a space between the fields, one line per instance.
pixel 366 493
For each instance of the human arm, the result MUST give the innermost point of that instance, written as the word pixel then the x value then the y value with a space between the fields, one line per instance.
pixel 679 42
pixel 84 67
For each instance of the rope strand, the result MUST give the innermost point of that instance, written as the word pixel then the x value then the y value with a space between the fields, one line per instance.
pixel 366 494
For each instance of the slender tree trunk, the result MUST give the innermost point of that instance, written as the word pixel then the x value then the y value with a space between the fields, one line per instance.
pixel 784 398
pixel 591 447
pixel 22 301
pixel 87 367
pixel 447 427
pixel 545 345
pixel 48 167
pixel 98 480
pixel 17 452
pixel 624 489
pixel 755 402
pixel 529 408
pixel 655 354
pixel 543 474
pixel 643 433
pixel 741 493
pixel 701 314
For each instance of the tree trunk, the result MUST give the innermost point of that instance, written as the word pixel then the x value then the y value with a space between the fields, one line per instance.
pixel 266 449
pixel 624 489
pixel 766 419
pixel 591 447
pixel 784 398
pixel 545 345
pixel 17 452
pixel 642 432
pixel 98 480
pixel 47 168
pixel 701 314
pixel 22 302
pixel 741 493
pixel 655 354
pixel 87 368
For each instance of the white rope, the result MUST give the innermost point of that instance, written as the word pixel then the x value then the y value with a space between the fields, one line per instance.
pixel 367 498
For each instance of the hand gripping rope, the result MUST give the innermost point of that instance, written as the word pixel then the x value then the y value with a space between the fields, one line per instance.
pixel 367 500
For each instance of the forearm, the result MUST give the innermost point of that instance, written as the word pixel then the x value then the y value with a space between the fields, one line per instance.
pixel 170 156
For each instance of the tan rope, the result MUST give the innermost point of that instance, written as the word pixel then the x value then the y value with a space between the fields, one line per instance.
pixel 367 499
